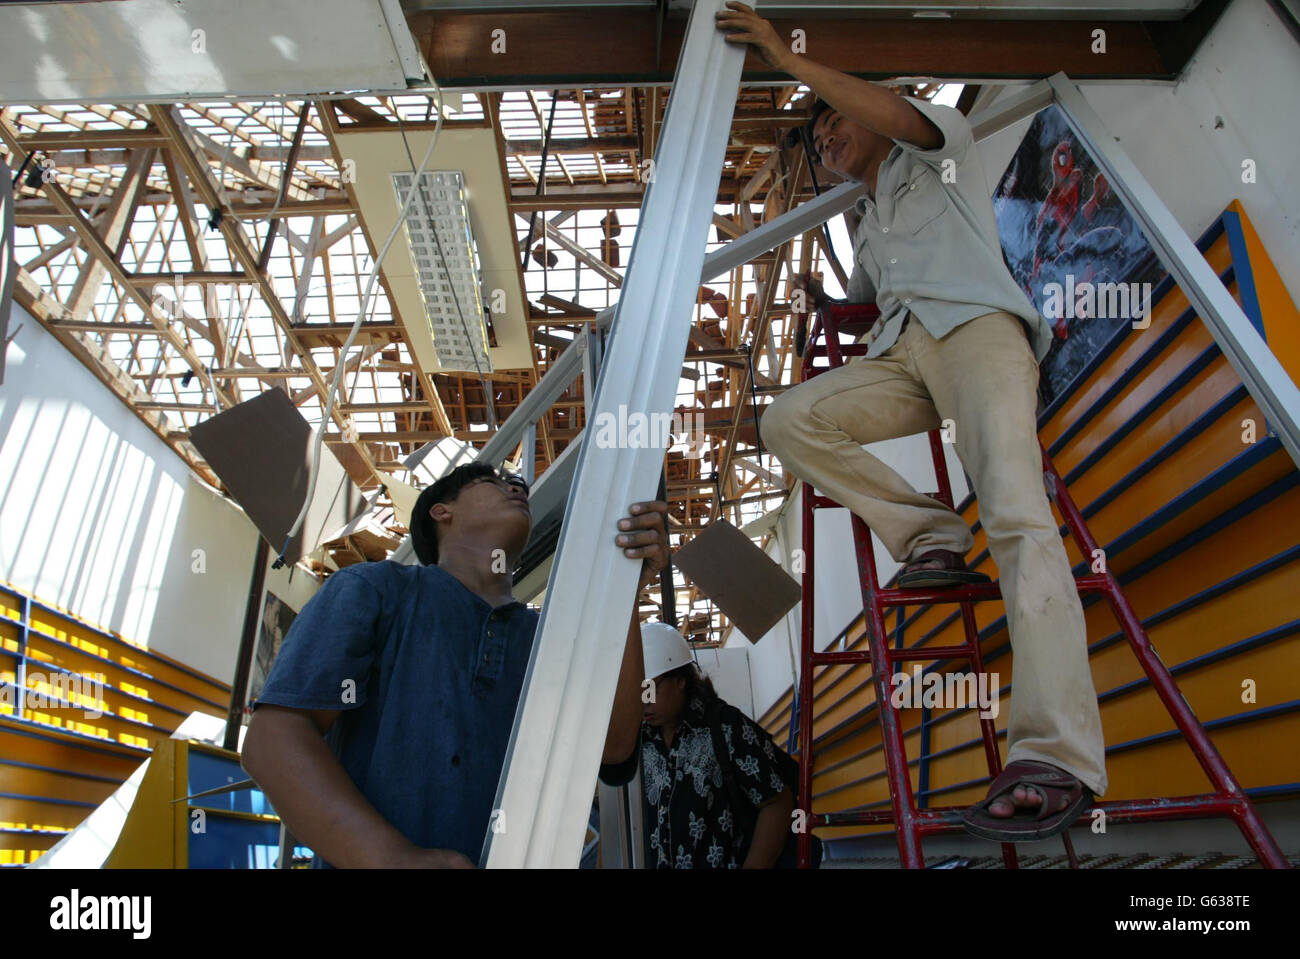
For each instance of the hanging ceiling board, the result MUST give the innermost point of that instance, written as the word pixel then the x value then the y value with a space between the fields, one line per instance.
pixel 377 154
pixel 261 450
pixel 752 590
pixel 149 51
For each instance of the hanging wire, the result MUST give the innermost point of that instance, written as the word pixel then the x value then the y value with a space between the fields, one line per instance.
pixel 541 185
pixel 314 472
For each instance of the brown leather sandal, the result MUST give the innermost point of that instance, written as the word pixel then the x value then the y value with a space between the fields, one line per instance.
pixel 1027 825
pixel 939 567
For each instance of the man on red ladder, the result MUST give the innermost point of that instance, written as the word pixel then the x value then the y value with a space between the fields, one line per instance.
pixel 957 344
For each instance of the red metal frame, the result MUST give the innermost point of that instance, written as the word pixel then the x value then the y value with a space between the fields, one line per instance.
pixel 912 824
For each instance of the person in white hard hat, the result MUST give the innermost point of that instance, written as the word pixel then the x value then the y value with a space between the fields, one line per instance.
pixel 703 810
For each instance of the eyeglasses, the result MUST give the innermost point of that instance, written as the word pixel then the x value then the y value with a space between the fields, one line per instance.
pixel 505 483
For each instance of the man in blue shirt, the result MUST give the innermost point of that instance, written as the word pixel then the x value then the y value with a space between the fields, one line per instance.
pixel 381 732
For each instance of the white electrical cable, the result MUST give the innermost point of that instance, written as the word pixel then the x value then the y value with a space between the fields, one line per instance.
pixel 314 472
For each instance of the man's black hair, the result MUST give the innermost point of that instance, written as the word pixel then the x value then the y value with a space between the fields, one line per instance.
pixel 698 686
pixel 424 534
pixel 819 107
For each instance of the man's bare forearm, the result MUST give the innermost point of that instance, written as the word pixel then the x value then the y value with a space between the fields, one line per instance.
pixel 865 103
pixel 644 536
pixel 770 831
pixel 313 794
pixel 625 719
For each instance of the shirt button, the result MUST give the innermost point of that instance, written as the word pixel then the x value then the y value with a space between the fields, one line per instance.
pixel 907 300
pixel 893 259
pixel 911 186
pixel 884 229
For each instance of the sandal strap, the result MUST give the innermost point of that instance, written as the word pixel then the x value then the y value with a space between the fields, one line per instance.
pixel 1051 783
pixel 946 558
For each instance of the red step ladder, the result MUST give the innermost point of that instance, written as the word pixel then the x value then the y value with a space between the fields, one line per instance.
pixel 912 823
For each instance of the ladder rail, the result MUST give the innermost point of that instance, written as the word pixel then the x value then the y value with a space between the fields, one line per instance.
pixel 1179 709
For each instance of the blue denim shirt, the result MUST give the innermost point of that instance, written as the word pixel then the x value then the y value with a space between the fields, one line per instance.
pixel 427 676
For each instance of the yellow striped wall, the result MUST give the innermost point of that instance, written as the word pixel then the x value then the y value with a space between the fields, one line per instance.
pixel 1195 600
pixel 57 764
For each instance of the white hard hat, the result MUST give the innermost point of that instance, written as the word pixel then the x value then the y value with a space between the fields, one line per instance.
pixel 664 649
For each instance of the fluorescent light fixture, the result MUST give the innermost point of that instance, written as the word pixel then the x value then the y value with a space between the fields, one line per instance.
pixel 446 265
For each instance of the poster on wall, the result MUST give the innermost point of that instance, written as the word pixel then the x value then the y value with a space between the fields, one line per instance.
pixel 276 620
pixel 1072 247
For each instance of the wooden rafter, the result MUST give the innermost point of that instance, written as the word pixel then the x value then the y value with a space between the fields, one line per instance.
pixel 242 251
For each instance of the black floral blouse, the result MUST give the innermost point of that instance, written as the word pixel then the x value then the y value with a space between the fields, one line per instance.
pixel 689 821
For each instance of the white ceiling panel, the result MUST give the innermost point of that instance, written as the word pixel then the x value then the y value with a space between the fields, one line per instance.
pixel 158 50
pixel 963 9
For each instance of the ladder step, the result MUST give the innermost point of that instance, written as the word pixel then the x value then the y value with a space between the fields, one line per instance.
pixel 926 653
pixel 849 656
pixel 944 819
pixel 922 654
pixel 929 595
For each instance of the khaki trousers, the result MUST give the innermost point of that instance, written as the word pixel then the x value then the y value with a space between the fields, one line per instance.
pixel 983 377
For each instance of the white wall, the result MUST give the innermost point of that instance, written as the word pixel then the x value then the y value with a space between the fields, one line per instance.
pixel 99 516
pixel 728 669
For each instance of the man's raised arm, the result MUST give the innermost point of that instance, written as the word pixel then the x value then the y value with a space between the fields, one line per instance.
pixel 865 103
pixel 643 535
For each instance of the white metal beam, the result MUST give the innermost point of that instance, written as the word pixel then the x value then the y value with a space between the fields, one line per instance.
pixel 1009 109
pixel 769 236
pixel 550 770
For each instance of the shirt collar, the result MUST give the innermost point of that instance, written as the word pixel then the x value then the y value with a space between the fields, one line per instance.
pixel 865 201
pixel 474 597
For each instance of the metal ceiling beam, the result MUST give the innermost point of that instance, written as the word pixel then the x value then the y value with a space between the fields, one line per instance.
pixel 550 770
pixel 770 235
pixel 567 48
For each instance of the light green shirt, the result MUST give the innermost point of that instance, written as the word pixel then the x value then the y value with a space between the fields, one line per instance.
pixel 929 243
